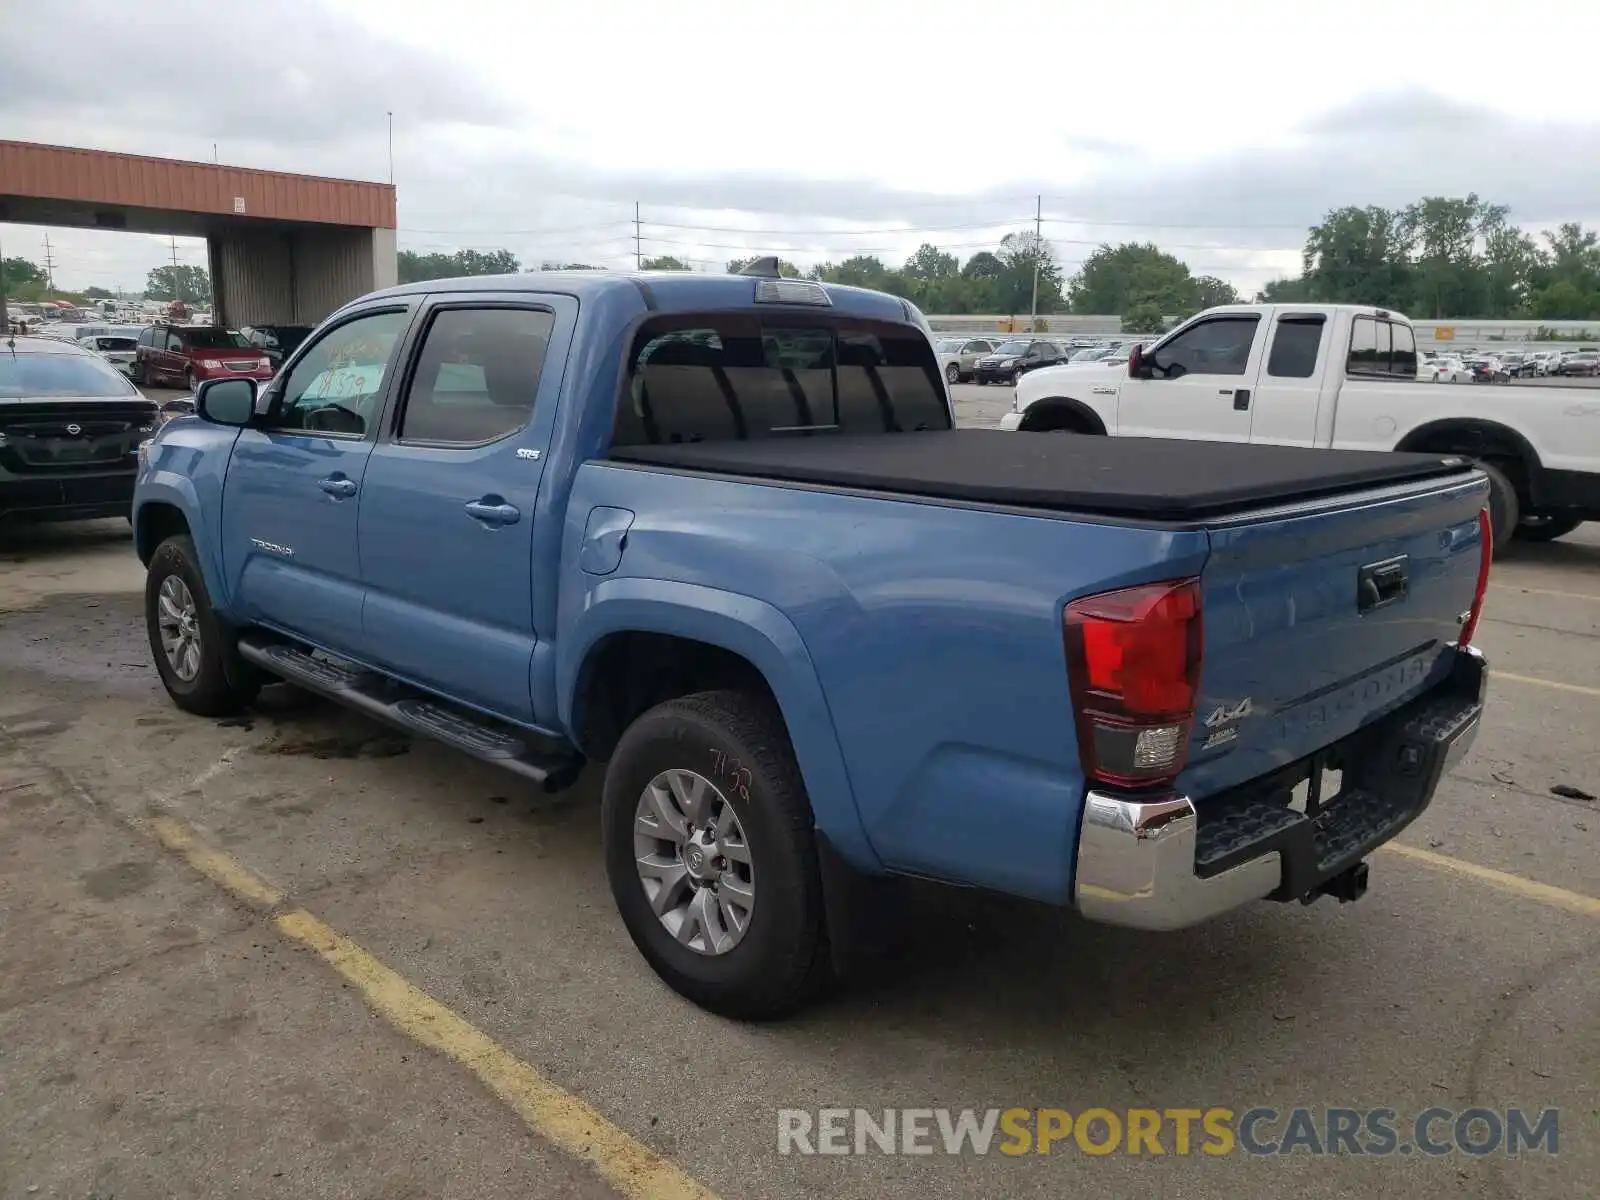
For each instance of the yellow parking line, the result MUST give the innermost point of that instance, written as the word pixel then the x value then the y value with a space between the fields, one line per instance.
pixel 630 1166
pixel 222 869
pixel 1544 893
pixel 1549 683
pixel 1532 591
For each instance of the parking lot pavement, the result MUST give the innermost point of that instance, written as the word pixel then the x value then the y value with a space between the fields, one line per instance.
pixel 158 1036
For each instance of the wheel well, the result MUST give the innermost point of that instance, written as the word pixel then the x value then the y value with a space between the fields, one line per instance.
pixel 157 522
pixel 1487 440
pixel 1061 413
pixel 626 674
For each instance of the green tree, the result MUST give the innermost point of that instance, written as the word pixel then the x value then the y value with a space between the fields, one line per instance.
pixel 98 293
pixel 15 272
pixel 415 267
pixel 1117 279
pixel 665 263
pixel 1359 256
pixel 184 282
pixel 1142 317
pixel 1209 292
pixel 1019 254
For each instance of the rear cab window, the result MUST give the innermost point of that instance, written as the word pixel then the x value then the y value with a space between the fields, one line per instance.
pixel 742 376
pixel 1381 349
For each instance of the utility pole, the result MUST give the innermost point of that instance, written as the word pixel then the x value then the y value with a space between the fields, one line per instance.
pixel 5 322
pixel 177 290
pixel 391 148
pixel 49 266
pixel 638 251
pixel 1038 249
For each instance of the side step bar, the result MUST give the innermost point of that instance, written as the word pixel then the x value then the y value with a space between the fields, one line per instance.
pixel 553 767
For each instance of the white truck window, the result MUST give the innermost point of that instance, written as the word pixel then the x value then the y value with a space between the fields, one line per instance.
pixel 1295 343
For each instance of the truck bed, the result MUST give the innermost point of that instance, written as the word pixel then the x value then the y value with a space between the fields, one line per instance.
pixel 1135 478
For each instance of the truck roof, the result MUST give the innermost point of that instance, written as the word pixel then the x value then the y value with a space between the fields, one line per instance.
pixel 1364 310
pixel 663 291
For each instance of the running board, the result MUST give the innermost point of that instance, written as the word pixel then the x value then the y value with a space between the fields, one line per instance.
pixel 553 767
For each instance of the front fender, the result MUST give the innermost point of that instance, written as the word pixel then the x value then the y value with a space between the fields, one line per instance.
pixel 765 637
pixel 168 487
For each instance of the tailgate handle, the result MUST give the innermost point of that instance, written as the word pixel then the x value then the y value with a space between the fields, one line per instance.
pixel 1382 583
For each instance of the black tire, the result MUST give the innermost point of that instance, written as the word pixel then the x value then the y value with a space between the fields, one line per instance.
pixel 782 958
pixel 1536 528
pixel 952 373
pixel 138 373
pixel 1505 510
pixel 189 380
pixel 224 683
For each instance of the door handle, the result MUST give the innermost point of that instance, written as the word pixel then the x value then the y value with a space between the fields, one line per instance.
pixel 493 514
pixel 335 485
pixel 1241 397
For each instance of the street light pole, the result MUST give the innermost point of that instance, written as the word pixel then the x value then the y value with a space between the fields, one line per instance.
pixel 1038 246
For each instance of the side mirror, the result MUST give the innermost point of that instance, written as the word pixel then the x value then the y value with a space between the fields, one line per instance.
pixel 226 401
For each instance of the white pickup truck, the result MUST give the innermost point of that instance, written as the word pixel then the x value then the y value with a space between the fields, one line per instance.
pixel 1334 375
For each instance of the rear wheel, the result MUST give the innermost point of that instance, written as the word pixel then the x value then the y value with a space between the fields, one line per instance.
pixel 711 855
pixel 1543 527
pixel 952 373
pixel 189 380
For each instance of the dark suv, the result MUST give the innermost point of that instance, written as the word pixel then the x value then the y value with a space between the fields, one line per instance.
pixel 276 342
pixel 70 429
pixel 1015 358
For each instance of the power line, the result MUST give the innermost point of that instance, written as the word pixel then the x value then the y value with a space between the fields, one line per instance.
pixel 1301 225
pixel 995 224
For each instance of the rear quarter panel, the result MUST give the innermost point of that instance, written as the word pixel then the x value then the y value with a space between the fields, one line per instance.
pixel 933 634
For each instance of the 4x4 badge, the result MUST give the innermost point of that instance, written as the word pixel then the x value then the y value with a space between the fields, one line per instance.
pixel 1223 715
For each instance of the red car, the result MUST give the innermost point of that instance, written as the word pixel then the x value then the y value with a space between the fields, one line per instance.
pixel 187 355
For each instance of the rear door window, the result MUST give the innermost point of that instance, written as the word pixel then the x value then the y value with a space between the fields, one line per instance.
pixel 742 376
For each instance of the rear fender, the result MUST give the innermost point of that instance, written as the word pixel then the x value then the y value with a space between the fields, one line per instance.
pixel 763 636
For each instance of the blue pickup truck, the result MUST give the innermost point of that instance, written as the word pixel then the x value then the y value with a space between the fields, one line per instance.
pixel 721 534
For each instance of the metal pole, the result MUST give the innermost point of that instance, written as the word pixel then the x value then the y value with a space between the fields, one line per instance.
pixel 391 148
pixel 638 251
pixel 5 322
pixel 1038 246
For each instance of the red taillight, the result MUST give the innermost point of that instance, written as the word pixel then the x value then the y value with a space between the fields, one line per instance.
pixel 1133 665
pixel 1485 556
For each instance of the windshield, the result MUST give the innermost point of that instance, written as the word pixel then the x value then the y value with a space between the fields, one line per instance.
pixel 1087 355
pixel 213 339
pixel 948 345
pixel 23 376
pixel 115 343
pixel 1011 348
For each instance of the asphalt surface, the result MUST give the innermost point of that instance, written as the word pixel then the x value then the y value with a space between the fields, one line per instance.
pixel 159 1036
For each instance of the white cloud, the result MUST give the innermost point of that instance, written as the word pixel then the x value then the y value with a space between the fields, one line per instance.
pixel 1219 131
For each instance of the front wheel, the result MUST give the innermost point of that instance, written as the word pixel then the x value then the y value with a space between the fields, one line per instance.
pixel 189 380
pixel 952 374
pixel 195 654
pixel 1505 509
pixel 711 855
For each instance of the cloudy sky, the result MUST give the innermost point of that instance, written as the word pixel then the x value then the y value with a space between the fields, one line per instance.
pixel 818 130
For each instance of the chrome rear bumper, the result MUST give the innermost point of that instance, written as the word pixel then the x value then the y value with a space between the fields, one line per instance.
pixel 1162 862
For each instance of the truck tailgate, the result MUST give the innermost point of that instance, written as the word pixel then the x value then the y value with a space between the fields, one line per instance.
pixel 1321 617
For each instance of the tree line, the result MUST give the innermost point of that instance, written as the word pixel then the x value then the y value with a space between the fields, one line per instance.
pixel 1440 257
pixel 26 281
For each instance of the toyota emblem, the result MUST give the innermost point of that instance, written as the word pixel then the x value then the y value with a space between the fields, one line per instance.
pixel 74 430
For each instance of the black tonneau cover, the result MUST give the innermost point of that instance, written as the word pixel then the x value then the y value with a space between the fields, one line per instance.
pixel 1150 478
